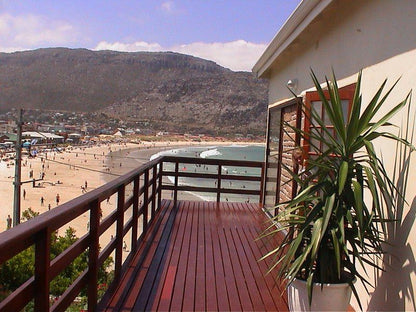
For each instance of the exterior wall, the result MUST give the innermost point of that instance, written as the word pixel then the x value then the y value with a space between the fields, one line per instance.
pixel 350 36
pixel 379 37
pixel 288 139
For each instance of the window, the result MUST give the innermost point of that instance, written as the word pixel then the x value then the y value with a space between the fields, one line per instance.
pixel 313 102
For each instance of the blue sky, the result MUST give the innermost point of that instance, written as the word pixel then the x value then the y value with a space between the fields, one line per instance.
pixel 232 33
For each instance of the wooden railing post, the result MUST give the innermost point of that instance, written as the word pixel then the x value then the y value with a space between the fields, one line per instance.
pixel 175 192
pixel 119 232
pixel 146 200
pixel 134 227
pixel 42 264
pixel 159 195
pixel 219 184
pixel 93 255
pixel 262 181
pixel 154 174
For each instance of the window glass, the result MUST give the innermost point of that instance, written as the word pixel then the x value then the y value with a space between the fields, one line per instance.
pixel 312 101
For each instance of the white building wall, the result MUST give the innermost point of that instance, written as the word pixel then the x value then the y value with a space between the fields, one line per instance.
pixel 378 36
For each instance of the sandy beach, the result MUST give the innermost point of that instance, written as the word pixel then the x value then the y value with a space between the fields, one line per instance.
pixel 71 173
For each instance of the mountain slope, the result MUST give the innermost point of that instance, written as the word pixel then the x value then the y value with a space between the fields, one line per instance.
pixel 170 91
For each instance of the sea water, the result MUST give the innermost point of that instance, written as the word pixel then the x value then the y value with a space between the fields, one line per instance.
pixel 231 152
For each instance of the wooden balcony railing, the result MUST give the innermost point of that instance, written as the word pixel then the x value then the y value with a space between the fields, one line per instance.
pixel 139 191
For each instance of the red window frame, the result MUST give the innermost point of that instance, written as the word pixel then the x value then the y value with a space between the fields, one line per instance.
pixel 345 93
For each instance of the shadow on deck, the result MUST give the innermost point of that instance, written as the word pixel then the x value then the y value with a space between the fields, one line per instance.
pixel 201 256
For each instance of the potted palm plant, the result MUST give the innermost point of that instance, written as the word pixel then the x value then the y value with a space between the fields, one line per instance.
pixel 338 217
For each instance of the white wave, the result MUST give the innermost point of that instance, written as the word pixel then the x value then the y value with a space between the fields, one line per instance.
pixel 237 145
pixel 205 197
pixel 163 153
pixel 154 156
pixel 210 153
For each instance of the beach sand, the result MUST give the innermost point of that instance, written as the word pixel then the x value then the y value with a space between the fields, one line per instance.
pixel 74 172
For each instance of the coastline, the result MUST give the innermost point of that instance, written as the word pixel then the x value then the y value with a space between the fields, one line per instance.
pixel 67 172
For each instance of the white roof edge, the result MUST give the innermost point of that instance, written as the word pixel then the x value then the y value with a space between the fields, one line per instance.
pixel 300 18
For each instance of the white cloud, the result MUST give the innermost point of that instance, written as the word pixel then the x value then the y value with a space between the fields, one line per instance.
pixel 167 6
pixel 236 55
pixel 129 47
pixel 29 31
pixel 32 31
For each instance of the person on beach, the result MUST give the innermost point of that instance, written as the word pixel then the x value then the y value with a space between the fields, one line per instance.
pixel 24 194
pixel 57 199
pixel 42 200
pixel 9 222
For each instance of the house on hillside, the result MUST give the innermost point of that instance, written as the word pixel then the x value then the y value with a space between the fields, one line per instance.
pixel 379 38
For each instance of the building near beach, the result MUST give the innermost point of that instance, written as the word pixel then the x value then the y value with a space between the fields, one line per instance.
pixel 377 37
pixel 43 137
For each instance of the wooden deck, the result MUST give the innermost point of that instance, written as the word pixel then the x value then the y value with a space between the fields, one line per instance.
pixel 201 256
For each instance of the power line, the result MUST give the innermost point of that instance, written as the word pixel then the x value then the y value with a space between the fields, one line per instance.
pixel 84 168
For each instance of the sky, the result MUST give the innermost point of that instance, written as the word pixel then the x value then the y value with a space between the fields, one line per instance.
pixel 232 33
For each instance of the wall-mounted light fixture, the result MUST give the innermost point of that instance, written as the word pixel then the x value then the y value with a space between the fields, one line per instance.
pixel 292 84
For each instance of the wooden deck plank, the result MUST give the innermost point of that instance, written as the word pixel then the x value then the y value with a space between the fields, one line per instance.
pixel 240 280
pixel 178 290
pixel 136 286
pixel 174 264
pixel 156 266
pixel 259 248
pixel 257 268
pixel 190 280
pixel 135 266
pixel 224 253
pixel 245 285
pixel 220 283
pixel 206 260
pixel 248 269
pixel 211 285
pixel 201 268
pixel 210 269
pixel 163 293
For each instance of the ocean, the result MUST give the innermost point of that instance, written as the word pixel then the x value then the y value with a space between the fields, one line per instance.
pixel 231 152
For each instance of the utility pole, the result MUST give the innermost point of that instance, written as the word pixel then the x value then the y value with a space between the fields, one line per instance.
pixel 17 171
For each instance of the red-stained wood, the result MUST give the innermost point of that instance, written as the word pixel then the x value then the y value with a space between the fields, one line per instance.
pixel 118 298
pixel 200 249
pixel 164 291
pixel 201 266
pixel 42 273
pixel 139 278
pixel 261 290
pixel 180 279
pixel 211 275
pixel 206 261
pixel 189 291
pixel 94 250
pixel 260 248
pixel 218 268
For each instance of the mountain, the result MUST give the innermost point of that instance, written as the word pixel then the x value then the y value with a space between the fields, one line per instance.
pixel 168 91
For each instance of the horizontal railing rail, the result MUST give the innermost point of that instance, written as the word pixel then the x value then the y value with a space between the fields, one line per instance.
pixel 145 185
pixel 219 177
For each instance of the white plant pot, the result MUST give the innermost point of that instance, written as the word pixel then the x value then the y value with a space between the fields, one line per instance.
pixel 332 297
